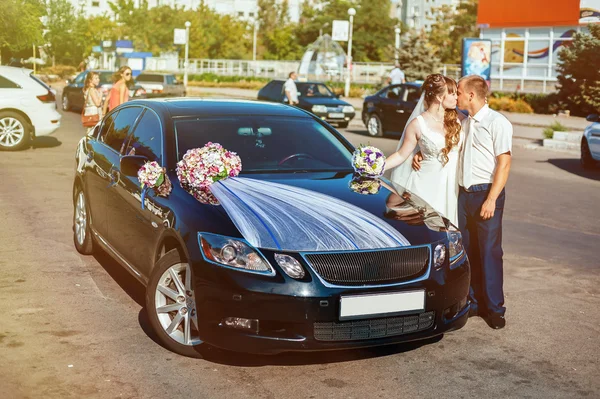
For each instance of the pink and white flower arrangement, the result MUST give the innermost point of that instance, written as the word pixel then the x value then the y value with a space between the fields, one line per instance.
pixel 368 161
pixel 152 175
pixel 201 167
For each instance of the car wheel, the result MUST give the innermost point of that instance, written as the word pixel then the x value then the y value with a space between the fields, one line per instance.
pixel 82 234
pixel 66 104
pixel 586 156
pixel 374 126
pixel 342 125
pixel 15 132
pixel 171 305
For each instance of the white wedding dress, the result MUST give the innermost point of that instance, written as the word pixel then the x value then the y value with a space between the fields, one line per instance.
pixel 435 182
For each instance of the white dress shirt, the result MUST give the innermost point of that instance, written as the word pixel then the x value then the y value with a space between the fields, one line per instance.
pixel 488 134
pixel 396 76
pixel 290 87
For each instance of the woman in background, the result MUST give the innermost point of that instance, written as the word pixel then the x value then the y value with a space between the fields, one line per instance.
pixel 92 97
pixel 119 93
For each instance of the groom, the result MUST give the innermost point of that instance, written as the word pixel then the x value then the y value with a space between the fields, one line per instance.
pixel 483 171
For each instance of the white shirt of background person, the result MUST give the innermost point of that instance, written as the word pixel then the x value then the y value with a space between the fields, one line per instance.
pixel 397 76
pixel 491 136
pixel 291 91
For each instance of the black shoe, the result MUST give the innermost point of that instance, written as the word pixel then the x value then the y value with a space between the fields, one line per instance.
pixel 496 321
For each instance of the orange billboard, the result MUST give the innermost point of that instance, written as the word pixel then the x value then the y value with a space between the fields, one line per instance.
pixel 527 13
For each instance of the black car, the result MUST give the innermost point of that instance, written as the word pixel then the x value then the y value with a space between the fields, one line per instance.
pixel 332 268
pixel 388 110
pixel 72 97
pixel 314 97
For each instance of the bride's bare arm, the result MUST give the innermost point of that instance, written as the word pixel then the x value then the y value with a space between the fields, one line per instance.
pixel 409 144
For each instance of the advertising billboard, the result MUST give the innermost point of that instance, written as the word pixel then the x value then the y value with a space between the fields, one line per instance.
pixel 477 58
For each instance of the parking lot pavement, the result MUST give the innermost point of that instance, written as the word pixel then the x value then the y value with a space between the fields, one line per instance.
pixel 74 326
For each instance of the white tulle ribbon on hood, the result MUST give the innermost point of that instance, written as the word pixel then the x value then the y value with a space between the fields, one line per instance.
pixel 283 217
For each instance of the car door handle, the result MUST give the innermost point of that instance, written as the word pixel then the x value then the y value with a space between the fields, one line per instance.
pixel 90 156
pixel 114 177
pixel 400 111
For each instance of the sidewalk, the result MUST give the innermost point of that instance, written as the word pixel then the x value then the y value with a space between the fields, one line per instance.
pixel 530 121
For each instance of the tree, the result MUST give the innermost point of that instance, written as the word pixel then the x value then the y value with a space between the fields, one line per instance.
pixel 418 57
pixel 64 45
pixel 276 32
pixel 452 25
pixel 579 76
pixel 20 25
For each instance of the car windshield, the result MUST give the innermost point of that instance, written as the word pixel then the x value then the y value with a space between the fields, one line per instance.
pixel 268 143
pixel 314 90
pixel 150 78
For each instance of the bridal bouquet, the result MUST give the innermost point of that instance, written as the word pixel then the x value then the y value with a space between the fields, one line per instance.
pixel 152 175
pixel 365 185
pixel 201 167
pixel 368 161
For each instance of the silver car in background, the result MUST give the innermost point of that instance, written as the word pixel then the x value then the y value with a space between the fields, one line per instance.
pixel 160 84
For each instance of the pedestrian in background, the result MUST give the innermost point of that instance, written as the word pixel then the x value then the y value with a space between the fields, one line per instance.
pixel 396 76
pixel 291 91
pixel 119 93
pixel 92 97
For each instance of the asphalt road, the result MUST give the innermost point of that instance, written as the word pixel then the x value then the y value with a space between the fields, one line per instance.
pixel 73 326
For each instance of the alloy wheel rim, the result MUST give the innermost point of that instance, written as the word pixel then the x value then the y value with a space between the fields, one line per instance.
pixel 373 126
pixel 80 219
pixel 12 132
pixel 176 305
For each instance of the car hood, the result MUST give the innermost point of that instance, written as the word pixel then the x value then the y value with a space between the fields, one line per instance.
pixel 318 211
pixel 327 101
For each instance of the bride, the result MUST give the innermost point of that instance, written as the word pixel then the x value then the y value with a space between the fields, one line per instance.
pixel 435 130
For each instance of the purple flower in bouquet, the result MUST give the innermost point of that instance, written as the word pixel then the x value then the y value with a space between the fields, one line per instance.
pixel 365 185
pixel 201 167
pixel 368 161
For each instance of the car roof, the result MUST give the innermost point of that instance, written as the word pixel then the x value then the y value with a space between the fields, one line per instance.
pixel 186 107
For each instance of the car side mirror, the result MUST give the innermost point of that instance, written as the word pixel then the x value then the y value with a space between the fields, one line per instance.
pixel 130 164
pixel 593 118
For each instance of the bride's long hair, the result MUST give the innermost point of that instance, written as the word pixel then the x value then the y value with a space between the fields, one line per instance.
pixel 439 85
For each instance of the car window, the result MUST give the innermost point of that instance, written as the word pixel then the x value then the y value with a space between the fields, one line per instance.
pixel 150 78
pixel 170 79
pixel 115 137
pixel 383 93
pixel 412 94
pixel 107 126
pixel 80 78
pixel 105 77
pixel 146 139
pixel 8 84
pixel 314 90
pixel 268 143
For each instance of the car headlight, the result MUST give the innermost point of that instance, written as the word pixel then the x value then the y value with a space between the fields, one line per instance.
pixel 439 255
pixel 290 266
pixel 348 109
pixel 455 245
pixel 319 109
pixel 234 253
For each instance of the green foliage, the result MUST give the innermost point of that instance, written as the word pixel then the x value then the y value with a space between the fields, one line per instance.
pixel 451 26
pixel 418 57
pixel 540 103
pixel 558 127
pixel 20 25
pixel 510 105
pixel 548 133
pixel 579 73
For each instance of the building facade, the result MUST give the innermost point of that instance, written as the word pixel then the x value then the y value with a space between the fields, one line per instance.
pixel 419 14
pixel 525 44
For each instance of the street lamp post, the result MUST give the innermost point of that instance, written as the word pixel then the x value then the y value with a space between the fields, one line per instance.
pixel 187 50
pixel 351 13
pixel 397 47
pixel 254 40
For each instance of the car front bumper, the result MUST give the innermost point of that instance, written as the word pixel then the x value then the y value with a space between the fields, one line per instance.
pixel 327 117
pixel 290 315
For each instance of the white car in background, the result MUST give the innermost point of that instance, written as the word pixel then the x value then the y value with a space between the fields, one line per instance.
pixel 160 84
pixel 27 108
pixel 590 143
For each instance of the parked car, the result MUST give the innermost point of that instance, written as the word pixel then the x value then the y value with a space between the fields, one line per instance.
pixel 388 110
pixel 160 84
pixel 590 143
pixel 333 268
pixel 314 97
pixel 72 96
pixel 27 108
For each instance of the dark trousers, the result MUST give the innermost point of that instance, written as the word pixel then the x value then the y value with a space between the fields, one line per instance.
pixel 482 240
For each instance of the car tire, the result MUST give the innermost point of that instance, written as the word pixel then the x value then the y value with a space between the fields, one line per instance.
pixel 374 127
pixel 171 305
pixel 343 125
pixel 82 233
pixel 15 131
pixel 66 104
pixel 586 156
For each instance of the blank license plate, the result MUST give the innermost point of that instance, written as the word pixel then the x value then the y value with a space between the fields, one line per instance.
pixel 336 115
pixel 375 305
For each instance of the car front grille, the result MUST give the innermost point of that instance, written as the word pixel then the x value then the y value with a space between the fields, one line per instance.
pixel 370 268
pixel 335 109
pixel 371 329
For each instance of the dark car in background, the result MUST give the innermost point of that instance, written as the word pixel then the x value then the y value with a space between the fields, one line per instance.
pixel 160 84
pixel 72 96
pixel 314 97
pixel 378 269
pixel 388 110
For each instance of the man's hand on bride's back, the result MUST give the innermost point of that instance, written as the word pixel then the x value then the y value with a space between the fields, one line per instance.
pixel 416 164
